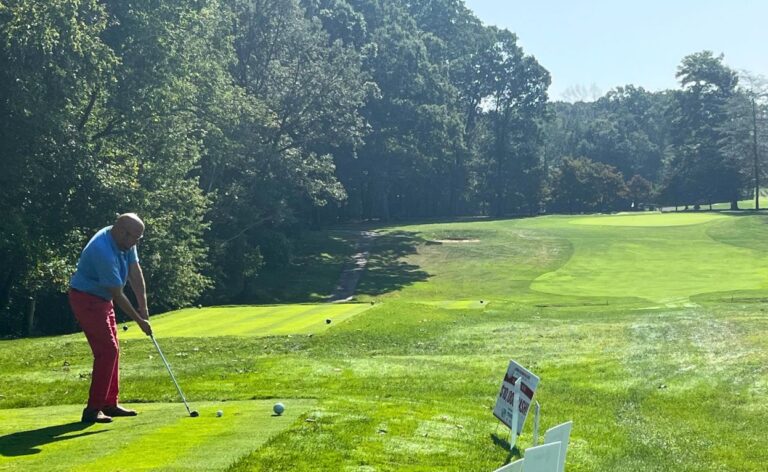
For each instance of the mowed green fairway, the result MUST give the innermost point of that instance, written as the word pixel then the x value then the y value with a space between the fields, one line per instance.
pixel 272 320
pixel 664 258
pixel 650 258
pixel 649 331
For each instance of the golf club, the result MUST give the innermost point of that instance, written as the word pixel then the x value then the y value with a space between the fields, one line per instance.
pixel 192 413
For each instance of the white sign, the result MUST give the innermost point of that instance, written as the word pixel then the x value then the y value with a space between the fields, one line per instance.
pixel 504 409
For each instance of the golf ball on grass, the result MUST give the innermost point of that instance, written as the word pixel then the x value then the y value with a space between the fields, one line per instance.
pixel 219 413
pixel 279 408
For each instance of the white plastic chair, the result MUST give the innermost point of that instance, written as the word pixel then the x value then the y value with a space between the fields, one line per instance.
pixel 516 466
pixel 544 458
pixel 562 434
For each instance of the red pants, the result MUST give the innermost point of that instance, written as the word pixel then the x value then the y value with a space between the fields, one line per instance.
pixel 97 318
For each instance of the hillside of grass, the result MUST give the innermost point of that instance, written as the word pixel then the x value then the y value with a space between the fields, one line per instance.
pixel 610 259
pixel 650 334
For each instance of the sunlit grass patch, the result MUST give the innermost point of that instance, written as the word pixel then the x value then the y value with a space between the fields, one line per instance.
pixel 500 263
pixel 648 219
pixel 162 437
pixel 384 435
pixel 271 320
pixel 460 304
pixel 662 264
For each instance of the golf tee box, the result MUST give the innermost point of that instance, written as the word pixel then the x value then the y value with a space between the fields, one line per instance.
pixel 515 397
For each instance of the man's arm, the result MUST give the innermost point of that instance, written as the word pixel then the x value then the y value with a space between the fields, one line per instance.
pixel 122 301
pixel 136 278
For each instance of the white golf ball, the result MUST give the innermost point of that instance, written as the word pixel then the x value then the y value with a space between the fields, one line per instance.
pixel 279 408
pixel 219 413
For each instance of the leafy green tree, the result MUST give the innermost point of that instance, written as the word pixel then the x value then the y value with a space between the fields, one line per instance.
pixel 581 185
pixel 463 51
pixel 698 112
pixel 565 130
pixel 745 131
pixel 639 191
pixel 516 109
pixel 339 20
pixel 414 130
pixel 298 94
pixel 627 128
pixel 105 105
pixel 52 62
pixel 157 116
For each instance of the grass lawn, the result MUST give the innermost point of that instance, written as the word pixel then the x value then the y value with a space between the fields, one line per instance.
pixel 648 331
pixel 274 320
pixel 161 437
pixel 666 259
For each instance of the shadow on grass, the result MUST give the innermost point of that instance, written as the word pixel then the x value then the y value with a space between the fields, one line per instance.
pixel 26 443
pixel 318 259
pixel 321 259
pixel 503 443
pixel 386 270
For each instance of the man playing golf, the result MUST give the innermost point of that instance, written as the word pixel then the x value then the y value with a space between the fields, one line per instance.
pixel 107 262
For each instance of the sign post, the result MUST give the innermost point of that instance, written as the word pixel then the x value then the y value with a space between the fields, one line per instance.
pixel 515 398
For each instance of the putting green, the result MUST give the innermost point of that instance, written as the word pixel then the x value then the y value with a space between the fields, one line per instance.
pixel 661 264
pixel 269 320
pixel 162 437
pixel 649 219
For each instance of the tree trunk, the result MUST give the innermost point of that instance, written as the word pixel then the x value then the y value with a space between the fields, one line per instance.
pixel 6 284
pixel 30 324
pixel 455 185
pixel 754 152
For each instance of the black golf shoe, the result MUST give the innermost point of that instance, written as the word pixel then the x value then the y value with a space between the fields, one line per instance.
pixel 95 416
pixel 117 410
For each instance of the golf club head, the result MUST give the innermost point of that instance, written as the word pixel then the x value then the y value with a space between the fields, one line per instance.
pixel 194 414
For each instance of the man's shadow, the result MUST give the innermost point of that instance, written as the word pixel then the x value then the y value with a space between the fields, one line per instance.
pixel 25 443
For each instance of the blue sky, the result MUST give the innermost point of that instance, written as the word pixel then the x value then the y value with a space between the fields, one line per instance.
pixel 603 44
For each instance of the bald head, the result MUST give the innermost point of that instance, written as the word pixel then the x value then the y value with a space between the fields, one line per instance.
pixel 130 221
pixel 127 230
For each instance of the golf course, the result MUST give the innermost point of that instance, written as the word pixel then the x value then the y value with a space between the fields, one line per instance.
pixel 648 330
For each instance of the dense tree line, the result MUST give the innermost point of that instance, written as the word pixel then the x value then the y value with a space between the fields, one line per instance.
pixel 694 146
pixel 231 125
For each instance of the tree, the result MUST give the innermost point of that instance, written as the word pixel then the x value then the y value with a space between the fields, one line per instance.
pixel 339 20
pixel 158 113
pixel 414 130
pixel 627 128
pixel 745 131
pixel 298 93
pixel 580 93
pixel 516 108
pixel 639 191
pixel 105 111
pixel 52 63
pixel 698 112
pixel 582 185
pixel 459 50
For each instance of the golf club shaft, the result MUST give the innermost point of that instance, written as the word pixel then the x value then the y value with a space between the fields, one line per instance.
pixel 168 366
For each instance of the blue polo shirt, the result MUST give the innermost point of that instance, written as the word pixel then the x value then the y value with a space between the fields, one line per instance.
pixel 102 265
